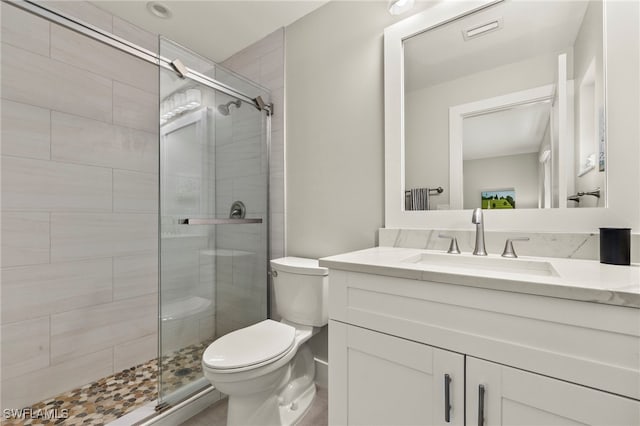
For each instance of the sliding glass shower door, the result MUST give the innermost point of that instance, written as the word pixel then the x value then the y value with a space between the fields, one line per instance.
pixel 213 216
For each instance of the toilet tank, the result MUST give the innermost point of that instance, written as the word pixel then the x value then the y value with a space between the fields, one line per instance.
pixel 300 290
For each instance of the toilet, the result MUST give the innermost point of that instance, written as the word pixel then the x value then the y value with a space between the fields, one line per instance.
pixel 267 369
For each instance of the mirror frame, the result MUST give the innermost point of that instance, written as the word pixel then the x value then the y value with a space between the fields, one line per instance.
pixel 622 82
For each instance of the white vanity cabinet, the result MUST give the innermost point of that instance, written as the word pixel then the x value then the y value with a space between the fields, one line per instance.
pixel 385 380
pixel 514 397
pixel 540 360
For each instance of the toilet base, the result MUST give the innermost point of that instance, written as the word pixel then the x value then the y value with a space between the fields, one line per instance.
pixel 290 416
pixel 281 404
pixel 265 410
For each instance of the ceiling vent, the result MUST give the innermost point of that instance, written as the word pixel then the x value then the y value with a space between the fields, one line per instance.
pixel 480 30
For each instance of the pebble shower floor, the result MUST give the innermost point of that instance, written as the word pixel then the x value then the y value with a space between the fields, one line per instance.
pixel 107 399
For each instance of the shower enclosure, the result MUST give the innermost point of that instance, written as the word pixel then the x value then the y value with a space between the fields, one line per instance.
pixel 214 172
pixel 83 125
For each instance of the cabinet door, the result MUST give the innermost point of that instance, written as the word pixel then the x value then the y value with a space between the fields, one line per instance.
pixel 377 379
pixel 514 397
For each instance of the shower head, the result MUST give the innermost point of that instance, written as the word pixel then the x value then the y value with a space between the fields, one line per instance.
pixel 224 109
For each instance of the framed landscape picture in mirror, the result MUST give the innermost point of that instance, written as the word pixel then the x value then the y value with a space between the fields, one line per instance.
pixel 498 199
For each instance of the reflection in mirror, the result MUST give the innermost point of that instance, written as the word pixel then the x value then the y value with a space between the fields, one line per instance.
pixel 506 150
pixel 507 102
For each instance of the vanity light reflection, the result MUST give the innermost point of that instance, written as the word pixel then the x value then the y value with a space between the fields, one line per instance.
pixel 178 103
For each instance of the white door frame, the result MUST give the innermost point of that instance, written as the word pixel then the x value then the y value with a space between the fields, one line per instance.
pixel 458 113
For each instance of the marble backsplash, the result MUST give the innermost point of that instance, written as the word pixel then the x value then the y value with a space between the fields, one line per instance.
pixel 543 244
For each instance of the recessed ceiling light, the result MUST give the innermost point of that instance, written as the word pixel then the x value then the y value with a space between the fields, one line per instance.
pixel 158 9
pixel 398 7
pixel 482 29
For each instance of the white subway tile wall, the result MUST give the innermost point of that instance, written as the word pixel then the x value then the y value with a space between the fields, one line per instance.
pixel 79 211
pixel 28 347
pixel 41 81
pixel 127 354
pixel 36 290
pixel 25 238
pixel 135 35
pixel 85 12
pixel 135 275
pixel 26 131
pixel 29 184
pixel 80 140
pixel 86 330
pixel 45 382
pixel 82 52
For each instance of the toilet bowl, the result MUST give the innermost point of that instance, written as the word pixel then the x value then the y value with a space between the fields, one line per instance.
pixel 266 369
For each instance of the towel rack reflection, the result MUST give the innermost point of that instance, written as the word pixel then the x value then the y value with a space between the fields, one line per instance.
pixel 226 221
pixel 576 197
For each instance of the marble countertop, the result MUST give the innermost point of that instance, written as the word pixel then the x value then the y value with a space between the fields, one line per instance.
pixel 584 280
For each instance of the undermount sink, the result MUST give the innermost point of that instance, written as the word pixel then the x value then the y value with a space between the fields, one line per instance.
pixel 487 263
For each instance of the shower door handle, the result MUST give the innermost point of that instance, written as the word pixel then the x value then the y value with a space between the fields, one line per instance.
pixel 225 221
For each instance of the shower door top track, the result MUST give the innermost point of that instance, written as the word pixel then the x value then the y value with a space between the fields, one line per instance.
pixel 126 46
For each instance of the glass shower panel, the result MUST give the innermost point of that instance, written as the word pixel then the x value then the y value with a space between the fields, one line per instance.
pixel 213 261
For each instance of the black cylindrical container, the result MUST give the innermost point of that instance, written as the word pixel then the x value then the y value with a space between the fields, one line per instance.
pixel 615 246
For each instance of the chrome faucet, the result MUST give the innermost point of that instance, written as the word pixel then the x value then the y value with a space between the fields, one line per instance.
pixel 477 218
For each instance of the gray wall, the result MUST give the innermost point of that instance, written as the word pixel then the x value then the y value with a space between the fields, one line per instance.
pixel 335 131
pixel 335 123
pixel 511 171
pixel 79 205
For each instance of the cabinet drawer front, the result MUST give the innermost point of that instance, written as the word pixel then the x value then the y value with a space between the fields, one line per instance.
pixel 514 397
pixel 554 337
pixel 384 380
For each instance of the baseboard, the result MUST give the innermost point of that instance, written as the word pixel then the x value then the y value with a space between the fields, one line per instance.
pixel 322 373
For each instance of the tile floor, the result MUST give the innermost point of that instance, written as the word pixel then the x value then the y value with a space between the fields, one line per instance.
pixel 107 399
pixel 102 401
pixel 182 367
pixel 216 415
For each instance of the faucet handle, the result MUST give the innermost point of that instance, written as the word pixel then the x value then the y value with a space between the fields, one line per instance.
pixel 453 247
pixel 508 247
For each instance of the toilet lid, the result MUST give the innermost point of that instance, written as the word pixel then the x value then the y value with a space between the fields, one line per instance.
pixel 251 345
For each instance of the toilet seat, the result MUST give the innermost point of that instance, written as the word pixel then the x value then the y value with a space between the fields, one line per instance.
pixel 250 347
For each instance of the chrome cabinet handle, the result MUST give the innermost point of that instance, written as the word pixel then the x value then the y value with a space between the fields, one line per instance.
pixel 453 247
pixel 481 405
pixel 508 247
pixel 447 401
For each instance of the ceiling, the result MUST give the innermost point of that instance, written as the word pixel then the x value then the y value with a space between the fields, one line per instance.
pixel 529 29
pixel 518 130
pixel 215 29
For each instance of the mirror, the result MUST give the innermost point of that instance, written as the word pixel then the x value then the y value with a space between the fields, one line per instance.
pixel 504 108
